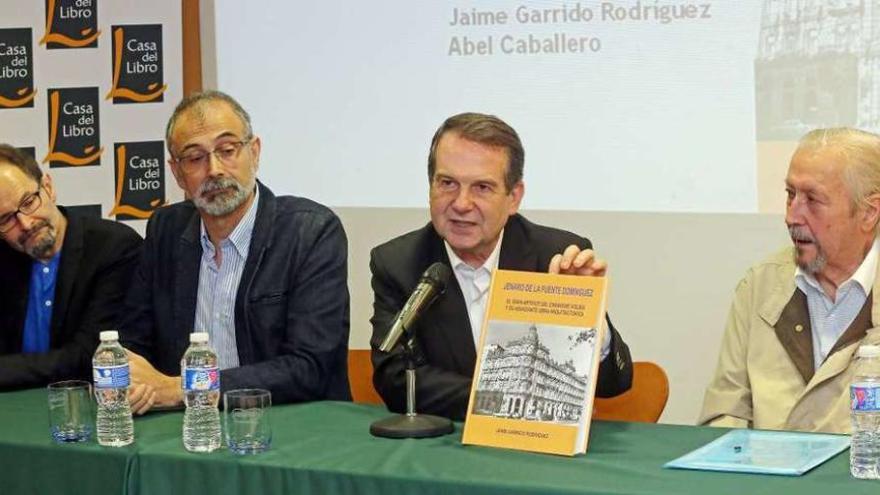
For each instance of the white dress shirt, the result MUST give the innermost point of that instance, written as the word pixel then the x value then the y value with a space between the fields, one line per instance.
pixel 474 283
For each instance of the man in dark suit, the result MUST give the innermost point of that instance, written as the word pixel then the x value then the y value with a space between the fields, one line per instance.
pixel 265 276
pixel 475 171
pixel 62 276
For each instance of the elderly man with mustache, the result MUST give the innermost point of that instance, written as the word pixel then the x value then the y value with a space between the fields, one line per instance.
pixel 798 318
pixel 264 275
pixel 63 277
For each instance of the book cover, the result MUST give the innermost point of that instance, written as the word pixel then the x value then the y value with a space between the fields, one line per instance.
pixel 537 362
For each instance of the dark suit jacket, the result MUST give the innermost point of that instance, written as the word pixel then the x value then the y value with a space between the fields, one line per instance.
pixel 291 308
pixel 443 339
pixel 97 259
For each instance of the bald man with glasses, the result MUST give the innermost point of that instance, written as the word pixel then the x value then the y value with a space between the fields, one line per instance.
pixel 264 275
pixel 63 278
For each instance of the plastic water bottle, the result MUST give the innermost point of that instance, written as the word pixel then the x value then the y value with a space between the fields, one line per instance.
pixel 201 393
pixel 110 370
pixel 864 453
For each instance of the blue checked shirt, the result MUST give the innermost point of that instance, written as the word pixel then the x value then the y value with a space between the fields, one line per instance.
pixel 829 319
pixel 218 285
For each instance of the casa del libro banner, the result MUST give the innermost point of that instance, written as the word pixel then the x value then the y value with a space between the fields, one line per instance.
pixel 86 88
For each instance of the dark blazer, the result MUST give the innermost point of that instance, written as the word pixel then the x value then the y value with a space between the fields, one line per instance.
pixel 291 308
pixel 97 259
pixel 443 339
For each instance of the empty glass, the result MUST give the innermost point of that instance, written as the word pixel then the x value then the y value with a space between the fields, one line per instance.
pixel 246 420
pixel 71 411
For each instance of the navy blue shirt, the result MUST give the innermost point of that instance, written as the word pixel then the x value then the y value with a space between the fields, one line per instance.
pixel 41 298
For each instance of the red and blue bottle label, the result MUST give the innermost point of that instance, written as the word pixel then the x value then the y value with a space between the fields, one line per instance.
pixel 201 379
pixel 865 398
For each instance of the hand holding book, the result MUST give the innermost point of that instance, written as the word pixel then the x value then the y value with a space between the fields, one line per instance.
pixel 574 261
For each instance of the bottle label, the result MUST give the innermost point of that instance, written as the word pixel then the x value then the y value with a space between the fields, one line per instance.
pixel 111 376
pixel 201 379
pixel 865 397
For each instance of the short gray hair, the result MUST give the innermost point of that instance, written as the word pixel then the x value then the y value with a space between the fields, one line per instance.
pixel 861 153
pixel 200 98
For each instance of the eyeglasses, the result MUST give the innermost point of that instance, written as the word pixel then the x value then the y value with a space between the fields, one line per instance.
pixel 28 205
pixel 226 153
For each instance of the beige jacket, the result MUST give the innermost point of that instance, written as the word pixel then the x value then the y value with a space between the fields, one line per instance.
pixel 757 384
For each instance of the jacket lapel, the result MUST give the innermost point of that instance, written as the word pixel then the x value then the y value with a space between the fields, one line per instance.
pixel 68 266
pixel 260 242
pixel 794 332
pixel 450 313
pixel 840 357
pixel 186 285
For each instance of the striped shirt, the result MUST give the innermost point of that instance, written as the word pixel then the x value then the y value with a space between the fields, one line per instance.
pixel 828 318
pixel 218 285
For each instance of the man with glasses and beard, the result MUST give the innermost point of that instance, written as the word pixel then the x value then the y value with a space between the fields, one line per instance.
pixel 797 318
pixel 265 276
pixel 63 277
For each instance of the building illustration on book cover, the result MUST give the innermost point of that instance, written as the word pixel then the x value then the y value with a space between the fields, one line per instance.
pixel 534 372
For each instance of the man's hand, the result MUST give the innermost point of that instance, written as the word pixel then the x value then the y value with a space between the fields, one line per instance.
pixel 153 387
pixel 141 397
pixel 573 261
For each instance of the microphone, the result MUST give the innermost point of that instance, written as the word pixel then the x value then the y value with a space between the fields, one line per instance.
pixel 430 287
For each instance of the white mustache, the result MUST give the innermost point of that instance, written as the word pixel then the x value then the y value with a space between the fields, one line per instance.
pixel 215 184
pixel 800 234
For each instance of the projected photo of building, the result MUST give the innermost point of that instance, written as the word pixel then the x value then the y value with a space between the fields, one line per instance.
pixel 534 375
pixel 817 65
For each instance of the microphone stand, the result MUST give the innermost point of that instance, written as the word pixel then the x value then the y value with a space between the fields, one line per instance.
pixel 411 424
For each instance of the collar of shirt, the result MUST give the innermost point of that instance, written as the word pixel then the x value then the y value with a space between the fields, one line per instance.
pixel 462 268
pixel 240 238
pixel 863 276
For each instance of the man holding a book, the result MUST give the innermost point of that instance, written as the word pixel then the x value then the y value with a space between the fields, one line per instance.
pixel 475 169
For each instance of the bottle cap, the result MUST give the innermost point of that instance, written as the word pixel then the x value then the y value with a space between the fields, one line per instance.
pixel 109 335
pixel 198 338
pixel 867 351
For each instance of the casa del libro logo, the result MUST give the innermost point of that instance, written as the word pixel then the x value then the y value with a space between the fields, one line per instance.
pixel 74 127
pixel 71 24
pixel 16 68
pixel 140 179
pixel 137 62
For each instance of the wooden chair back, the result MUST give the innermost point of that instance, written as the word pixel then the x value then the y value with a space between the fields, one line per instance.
pixel 360 377
pixel 644 402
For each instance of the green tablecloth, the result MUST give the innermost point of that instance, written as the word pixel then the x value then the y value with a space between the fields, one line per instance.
pixel 326 448
pixel 30 462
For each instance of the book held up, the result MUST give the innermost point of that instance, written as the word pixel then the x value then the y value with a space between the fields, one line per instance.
pixel 537 363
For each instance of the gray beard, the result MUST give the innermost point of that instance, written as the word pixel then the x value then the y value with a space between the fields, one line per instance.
pixel 42 249
pixel 819 262
pixel 223 204
pixel 815 266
